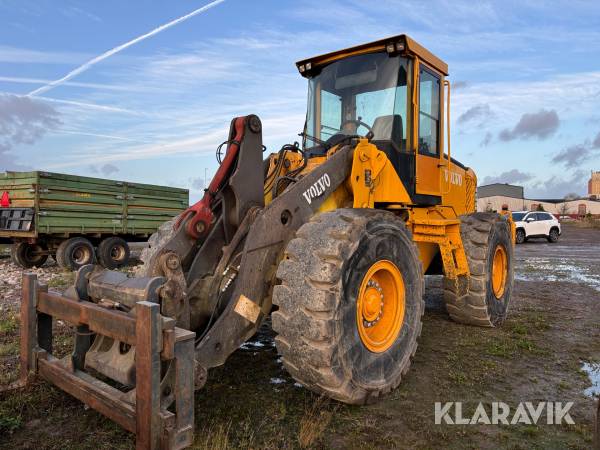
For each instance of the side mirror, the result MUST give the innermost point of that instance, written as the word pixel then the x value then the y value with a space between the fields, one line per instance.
pixel 529 219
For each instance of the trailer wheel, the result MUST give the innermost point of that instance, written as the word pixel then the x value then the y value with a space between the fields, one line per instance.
pixel 75 253
pixel 113 252
pixel 28 255
pixel 350 304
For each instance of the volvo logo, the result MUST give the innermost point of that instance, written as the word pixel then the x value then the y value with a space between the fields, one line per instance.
pixel 455 177
pixel 317 189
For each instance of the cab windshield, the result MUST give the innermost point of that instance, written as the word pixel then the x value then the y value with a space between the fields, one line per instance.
pixel 358 95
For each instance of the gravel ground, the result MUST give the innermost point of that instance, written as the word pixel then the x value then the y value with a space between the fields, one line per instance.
pixel 10 282
pixel 50 273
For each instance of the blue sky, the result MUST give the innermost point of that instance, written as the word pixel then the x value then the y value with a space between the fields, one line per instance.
pixel 525 107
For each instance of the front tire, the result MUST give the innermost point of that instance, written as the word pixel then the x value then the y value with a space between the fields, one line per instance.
pixel 156 241
pixel 520 236
pixel 482 298
pixel 350 304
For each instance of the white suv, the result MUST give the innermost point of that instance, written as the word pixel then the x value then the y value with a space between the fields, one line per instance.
pixel 536 224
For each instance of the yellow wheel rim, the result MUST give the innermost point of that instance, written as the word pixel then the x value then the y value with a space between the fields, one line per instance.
pixel 499 271
pixel 380 306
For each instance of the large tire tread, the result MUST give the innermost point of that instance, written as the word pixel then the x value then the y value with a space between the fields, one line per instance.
pixel 468 304
pixel 155 243
pixel 307 322
pixel 64 248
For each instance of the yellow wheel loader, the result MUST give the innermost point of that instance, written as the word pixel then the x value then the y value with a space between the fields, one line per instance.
pixel 331 238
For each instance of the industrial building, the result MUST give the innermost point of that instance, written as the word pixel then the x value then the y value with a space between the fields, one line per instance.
pixel 493 197
pixel 502 190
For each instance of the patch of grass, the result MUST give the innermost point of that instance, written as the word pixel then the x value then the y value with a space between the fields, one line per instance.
pixel 518 328
pixel 511 346
pixel 313 423
pixel 525 344
pixel 63 342
pixel 9 325
pixel 540 323
pixel 62 280
pixel 531 431
pixel 9 348
pixel 457 377
pixel 56 282
pixel 9 422
pixel 588 222
pixel 503 349
pixel 216 437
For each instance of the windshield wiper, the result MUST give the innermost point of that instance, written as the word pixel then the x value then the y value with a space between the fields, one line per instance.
pixel 315 139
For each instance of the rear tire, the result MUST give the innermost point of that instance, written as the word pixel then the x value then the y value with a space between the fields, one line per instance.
pixel 75 253
pixel 553 236
pixel 482 299
pixel 23 255
pixel 113 252
pixel 320 326
pixel 520 236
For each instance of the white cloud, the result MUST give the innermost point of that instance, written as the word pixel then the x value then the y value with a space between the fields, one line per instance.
pixel 23 121
pixel 19 55
pixel 509 98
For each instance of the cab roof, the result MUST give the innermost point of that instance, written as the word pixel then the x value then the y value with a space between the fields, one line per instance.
pixel 401 43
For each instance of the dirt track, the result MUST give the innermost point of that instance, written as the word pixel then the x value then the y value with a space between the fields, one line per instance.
pixel 552 331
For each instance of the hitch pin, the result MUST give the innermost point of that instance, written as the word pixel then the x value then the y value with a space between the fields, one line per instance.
pixel 108 304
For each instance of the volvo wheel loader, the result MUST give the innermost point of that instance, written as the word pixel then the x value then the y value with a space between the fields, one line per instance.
pixel 331 238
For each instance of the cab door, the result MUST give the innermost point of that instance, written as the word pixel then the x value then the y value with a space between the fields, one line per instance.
pixel 428 135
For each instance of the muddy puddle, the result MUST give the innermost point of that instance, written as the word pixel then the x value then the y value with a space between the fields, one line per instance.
pixel 593 372
pixel 546 269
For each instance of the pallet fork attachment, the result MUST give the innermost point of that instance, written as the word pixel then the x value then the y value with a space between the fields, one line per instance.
pixel 157 340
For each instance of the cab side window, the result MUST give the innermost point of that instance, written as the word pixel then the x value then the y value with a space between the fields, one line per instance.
pixel 331 114
pixel 429 113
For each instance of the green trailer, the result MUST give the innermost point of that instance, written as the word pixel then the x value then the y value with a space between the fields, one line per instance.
pixel 79 219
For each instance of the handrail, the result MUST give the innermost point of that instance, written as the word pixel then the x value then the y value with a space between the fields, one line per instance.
pixel 448 177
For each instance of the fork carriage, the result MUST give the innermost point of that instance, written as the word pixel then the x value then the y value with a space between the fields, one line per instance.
pixel 159 410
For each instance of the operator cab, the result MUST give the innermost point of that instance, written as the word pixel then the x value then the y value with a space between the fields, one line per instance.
pixel 390 91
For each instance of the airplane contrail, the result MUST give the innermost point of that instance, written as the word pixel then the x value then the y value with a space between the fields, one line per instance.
pixel 121 47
